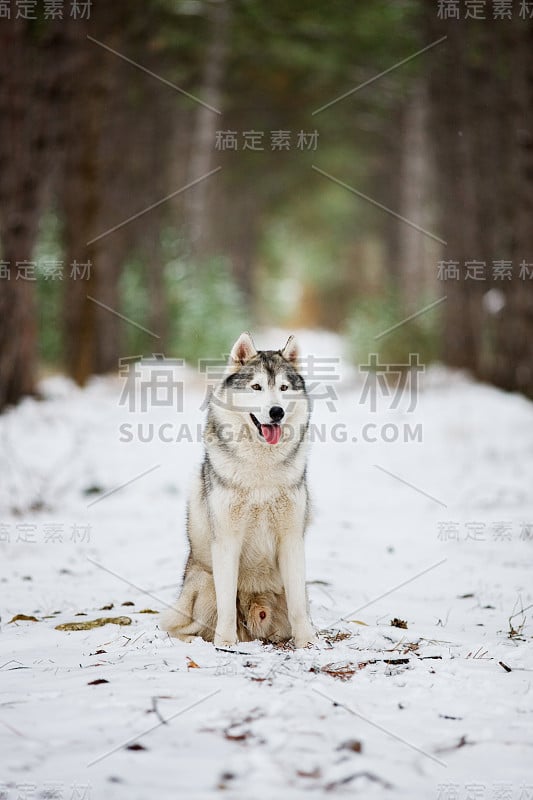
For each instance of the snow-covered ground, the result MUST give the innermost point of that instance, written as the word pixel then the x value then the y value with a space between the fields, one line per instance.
pixel 437 533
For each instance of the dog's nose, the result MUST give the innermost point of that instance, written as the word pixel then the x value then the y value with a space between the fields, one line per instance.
pixel 276 413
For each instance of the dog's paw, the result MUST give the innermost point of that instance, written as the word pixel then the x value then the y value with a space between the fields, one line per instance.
pixel 225 639
pixel 185 637
pixel 305 637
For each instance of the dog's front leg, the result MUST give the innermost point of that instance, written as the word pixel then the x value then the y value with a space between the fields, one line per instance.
pixel 292 567
pixel 226 551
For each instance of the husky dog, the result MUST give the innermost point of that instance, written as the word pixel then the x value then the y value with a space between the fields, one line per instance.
pixel 249 507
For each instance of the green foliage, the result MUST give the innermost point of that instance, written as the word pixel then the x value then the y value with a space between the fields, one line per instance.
pixel 135 306
pixel 205 308
pixel 50 289
pixel 207 312
pixel 372 316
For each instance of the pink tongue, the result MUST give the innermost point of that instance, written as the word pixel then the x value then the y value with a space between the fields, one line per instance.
pixel 271 433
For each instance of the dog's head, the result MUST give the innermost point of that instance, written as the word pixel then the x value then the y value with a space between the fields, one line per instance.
pixel 266 389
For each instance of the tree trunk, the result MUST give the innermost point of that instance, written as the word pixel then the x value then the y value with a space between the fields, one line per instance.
pixel 80 201
pixel 452 126
pixel 416 251
pixel 481 90
pixel 29 77
pixel 203 140
pixel 95 196
pixel 511 362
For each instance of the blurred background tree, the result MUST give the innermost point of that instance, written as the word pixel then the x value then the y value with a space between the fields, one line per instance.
pixel 127 227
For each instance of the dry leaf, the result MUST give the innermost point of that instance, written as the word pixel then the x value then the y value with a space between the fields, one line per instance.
pixel 354 745
pixel 332 637
pixel 192 664
pixel 23 618
pixel 341 671
pixel 148 611
pixel 314 773
pixel 93 623
pixel 97 682
pixel 398 623
pixel 358 622
pixel 236 736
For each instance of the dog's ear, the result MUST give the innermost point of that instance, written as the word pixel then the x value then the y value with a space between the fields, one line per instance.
pixel 290 351
pixel 243 350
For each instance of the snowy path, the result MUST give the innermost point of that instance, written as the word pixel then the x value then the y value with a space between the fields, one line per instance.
pixel 375 710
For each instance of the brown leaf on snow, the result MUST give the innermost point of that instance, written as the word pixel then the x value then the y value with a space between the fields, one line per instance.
pixel 342 672
pixel 410 647
pixel 128 603
pixel 108 607
pixel 148 611
pixel 93 623
pixel 332 637
pixel 192 664
pixel 236 736
pixel 135 746
pixel 314 773
pixel 398 623
pixel 354 745
pixel 97 682
pixel 23 618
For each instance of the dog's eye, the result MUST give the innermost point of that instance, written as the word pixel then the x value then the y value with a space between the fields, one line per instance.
pixel 283 387
pixel 256 387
